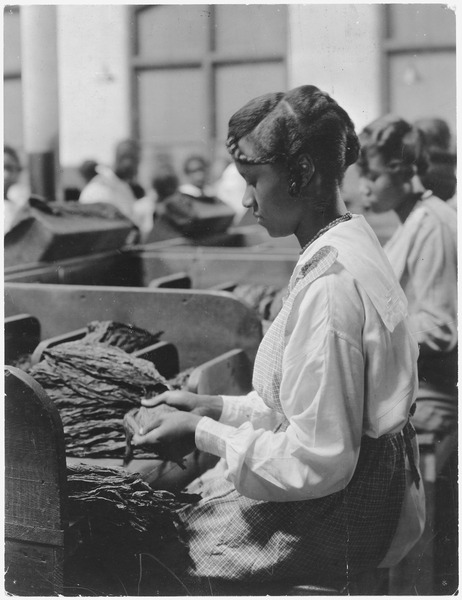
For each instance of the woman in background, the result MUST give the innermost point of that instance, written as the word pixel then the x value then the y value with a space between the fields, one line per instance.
pixel 15 197
pixel 423 254
pixel 440 176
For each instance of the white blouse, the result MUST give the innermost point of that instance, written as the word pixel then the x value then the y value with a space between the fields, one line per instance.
pixel 349 369
pixel 423 254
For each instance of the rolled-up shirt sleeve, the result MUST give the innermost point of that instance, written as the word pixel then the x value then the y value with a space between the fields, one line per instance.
pixel 322 393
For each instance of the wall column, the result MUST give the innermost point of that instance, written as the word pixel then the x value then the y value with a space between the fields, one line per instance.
pixel 40 97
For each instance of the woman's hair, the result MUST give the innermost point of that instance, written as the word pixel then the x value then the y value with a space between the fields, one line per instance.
pixel 440 176
pixel 436 131
pixel 400 145
pixel 283 126
pixel 165 184
pixel 12 153
pixel 194 158
pixel 88 169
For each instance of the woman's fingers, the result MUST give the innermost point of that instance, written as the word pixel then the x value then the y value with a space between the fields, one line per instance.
pixel 180 399
pixel 159 399
pixel 152 420
pixel 142 439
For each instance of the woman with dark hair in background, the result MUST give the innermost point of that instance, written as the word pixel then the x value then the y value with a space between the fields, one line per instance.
pixel 318 479
pixel 15 200
pixel 423 254
pixel 192 210
pixel 440 176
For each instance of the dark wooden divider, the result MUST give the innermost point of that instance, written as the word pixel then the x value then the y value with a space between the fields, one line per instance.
pixel 36 517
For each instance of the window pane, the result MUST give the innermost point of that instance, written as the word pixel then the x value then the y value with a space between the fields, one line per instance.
pixel 424 85
pixel 172 105
pixel 172 32
pixel 11 41
pixel 422 23
pixel 252 29
pixel 236 85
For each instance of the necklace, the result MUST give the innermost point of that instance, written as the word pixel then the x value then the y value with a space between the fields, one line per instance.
pixel 346 217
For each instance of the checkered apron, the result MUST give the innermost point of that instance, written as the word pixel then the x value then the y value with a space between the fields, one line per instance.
pixel 232 537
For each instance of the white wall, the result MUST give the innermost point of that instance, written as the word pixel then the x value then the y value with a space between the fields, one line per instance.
pixel 94 81
pixel 333 46
pixel 336 47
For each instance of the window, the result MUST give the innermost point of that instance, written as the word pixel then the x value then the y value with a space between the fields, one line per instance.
pixel 194 65
pixel 12 88
pixel 420 61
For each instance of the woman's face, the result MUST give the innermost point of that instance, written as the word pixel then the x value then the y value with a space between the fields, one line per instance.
pixel 197 173
pixel 11 172
pixel 382 189
pixel 267 194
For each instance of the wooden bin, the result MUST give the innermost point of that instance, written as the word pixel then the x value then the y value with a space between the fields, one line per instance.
pixel 201 324
pixel 35 489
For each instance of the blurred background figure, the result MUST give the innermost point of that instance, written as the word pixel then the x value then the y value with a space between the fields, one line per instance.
pixel 423 254
pixel 15 195
pixel 127 161
pixel 192 210
pixel 88 170
pixel 165 183
pixel 195 169
pixel 85 172
pixel 230 188
pixel 440 176
pixel 118 187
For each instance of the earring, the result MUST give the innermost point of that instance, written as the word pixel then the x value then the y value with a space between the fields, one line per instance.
pixel 293 188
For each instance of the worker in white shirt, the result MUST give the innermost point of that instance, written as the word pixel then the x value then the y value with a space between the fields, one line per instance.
pixel 15 195
pixel 318 478
pixel 117 187
pixel 423 254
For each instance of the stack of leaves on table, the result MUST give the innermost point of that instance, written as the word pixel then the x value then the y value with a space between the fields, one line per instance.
pixel 95 381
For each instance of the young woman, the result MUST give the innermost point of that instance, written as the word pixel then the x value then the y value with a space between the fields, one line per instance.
pixel 318 474
pixel 441 175
pixel 15 197
pixel 423 254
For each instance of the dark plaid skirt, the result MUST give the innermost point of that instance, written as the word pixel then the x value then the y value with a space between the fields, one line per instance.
pixel 235 538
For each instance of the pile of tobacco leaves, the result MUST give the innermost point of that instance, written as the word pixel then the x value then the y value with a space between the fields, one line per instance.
pixel 180 380
pixel 124 336
pixel 129 534
pixel 94 381
pixel 265 299
pixel 120 506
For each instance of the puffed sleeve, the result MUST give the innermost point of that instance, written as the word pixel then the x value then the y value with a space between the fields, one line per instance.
pixel 322 392
pixel 241 409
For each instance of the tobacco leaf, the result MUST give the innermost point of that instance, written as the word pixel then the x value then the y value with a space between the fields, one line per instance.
pixel 125 336
pixel 123 514
pixel 144 417
pixel 93 387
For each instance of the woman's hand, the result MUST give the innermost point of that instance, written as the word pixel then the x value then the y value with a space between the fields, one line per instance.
pixel 199 404
pixel 173 431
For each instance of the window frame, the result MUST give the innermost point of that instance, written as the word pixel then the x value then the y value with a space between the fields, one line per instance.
pixel 209 62
pixel 392 47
